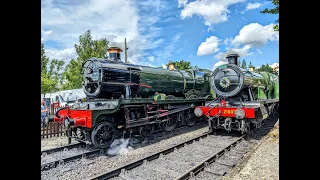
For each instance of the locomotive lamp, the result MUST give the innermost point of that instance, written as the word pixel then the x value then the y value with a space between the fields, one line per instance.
pixel 198 112
pixel 239 113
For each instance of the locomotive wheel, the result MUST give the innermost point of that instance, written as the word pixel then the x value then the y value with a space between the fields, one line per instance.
pixel 103 135
pixel 147 130
pixel 189 119
pixel 170 124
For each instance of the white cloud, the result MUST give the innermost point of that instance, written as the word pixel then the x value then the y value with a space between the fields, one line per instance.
pixel 259 51
pixel 210 46
pixel 244 51
pixel 182 3
pixel 256 35
pixel 227 41
pixel 114 20
pixel 65 54
pixel 213 11
pixel 45 34
pixel 274 65
pixel 151 58
pixel 179 50
pixel 164 66
pixel 251 6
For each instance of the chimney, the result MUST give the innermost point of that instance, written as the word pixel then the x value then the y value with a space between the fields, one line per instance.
pixel 233 59
pixel 114 53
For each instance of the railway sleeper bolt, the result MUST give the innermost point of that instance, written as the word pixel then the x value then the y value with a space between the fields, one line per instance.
pixel 61 162
pixel 206 165
pixel 123 171
pixel 145 162
pixel 192 175
pixel 83 156
pixel 44 154
pixel 160 156
pixel 65 149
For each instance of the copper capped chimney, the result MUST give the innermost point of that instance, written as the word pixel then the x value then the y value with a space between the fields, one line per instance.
pixel 114 53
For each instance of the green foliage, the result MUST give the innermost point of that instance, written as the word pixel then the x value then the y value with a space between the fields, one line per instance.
pixel 44 60
pixel 244 64
pixel 273 11
pixel 89 48
pixel 266 68
pixel 48 84
pixel 73 75
pixel 180 64
pixel 251 66
pixel 51 79
pixel 56 71
pixel 86 49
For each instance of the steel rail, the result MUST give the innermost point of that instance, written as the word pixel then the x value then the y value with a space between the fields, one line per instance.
pixel 53 150
pixel 116 171
pixel 53 164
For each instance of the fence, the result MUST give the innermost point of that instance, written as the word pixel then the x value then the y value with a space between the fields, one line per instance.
pixel 53 108
pixel 52 129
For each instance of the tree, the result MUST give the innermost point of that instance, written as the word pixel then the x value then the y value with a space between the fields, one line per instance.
pixel 273 11
pixel 251 66
pixel 244 64
pixel 239 64
pixel 73 75
pixel 44 60
pixel 180 64
pixel 266 68
pixel 51 79
pixel 48 84
pixel 87 48
pixel 56 71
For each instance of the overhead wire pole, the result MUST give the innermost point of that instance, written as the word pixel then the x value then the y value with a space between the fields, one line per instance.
pixel 125 50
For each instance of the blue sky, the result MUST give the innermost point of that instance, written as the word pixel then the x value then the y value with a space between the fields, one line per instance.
pixel 202 32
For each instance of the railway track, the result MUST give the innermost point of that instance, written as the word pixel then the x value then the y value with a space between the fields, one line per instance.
pixel 204 157
pixel 54 157
pixel 61 148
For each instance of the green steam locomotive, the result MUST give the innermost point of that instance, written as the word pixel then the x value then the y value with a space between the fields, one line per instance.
pixel 126 98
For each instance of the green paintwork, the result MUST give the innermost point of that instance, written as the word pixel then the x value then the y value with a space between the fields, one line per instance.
pixel 276 90
pixel 264 84
pixel 260 94
pixel 160 96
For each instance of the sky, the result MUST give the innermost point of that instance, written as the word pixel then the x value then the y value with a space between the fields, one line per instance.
pixel 202 32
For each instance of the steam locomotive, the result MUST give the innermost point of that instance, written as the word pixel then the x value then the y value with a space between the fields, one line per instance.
pixel 245 98
pixel 126 98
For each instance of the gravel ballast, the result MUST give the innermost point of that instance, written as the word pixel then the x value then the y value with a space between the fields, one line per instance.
pixel 85 168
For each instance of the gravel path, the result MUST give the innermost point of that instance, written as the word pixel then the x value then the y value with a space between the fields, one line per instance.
pixel 262 163
pixel 85 168
pixel 49 143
